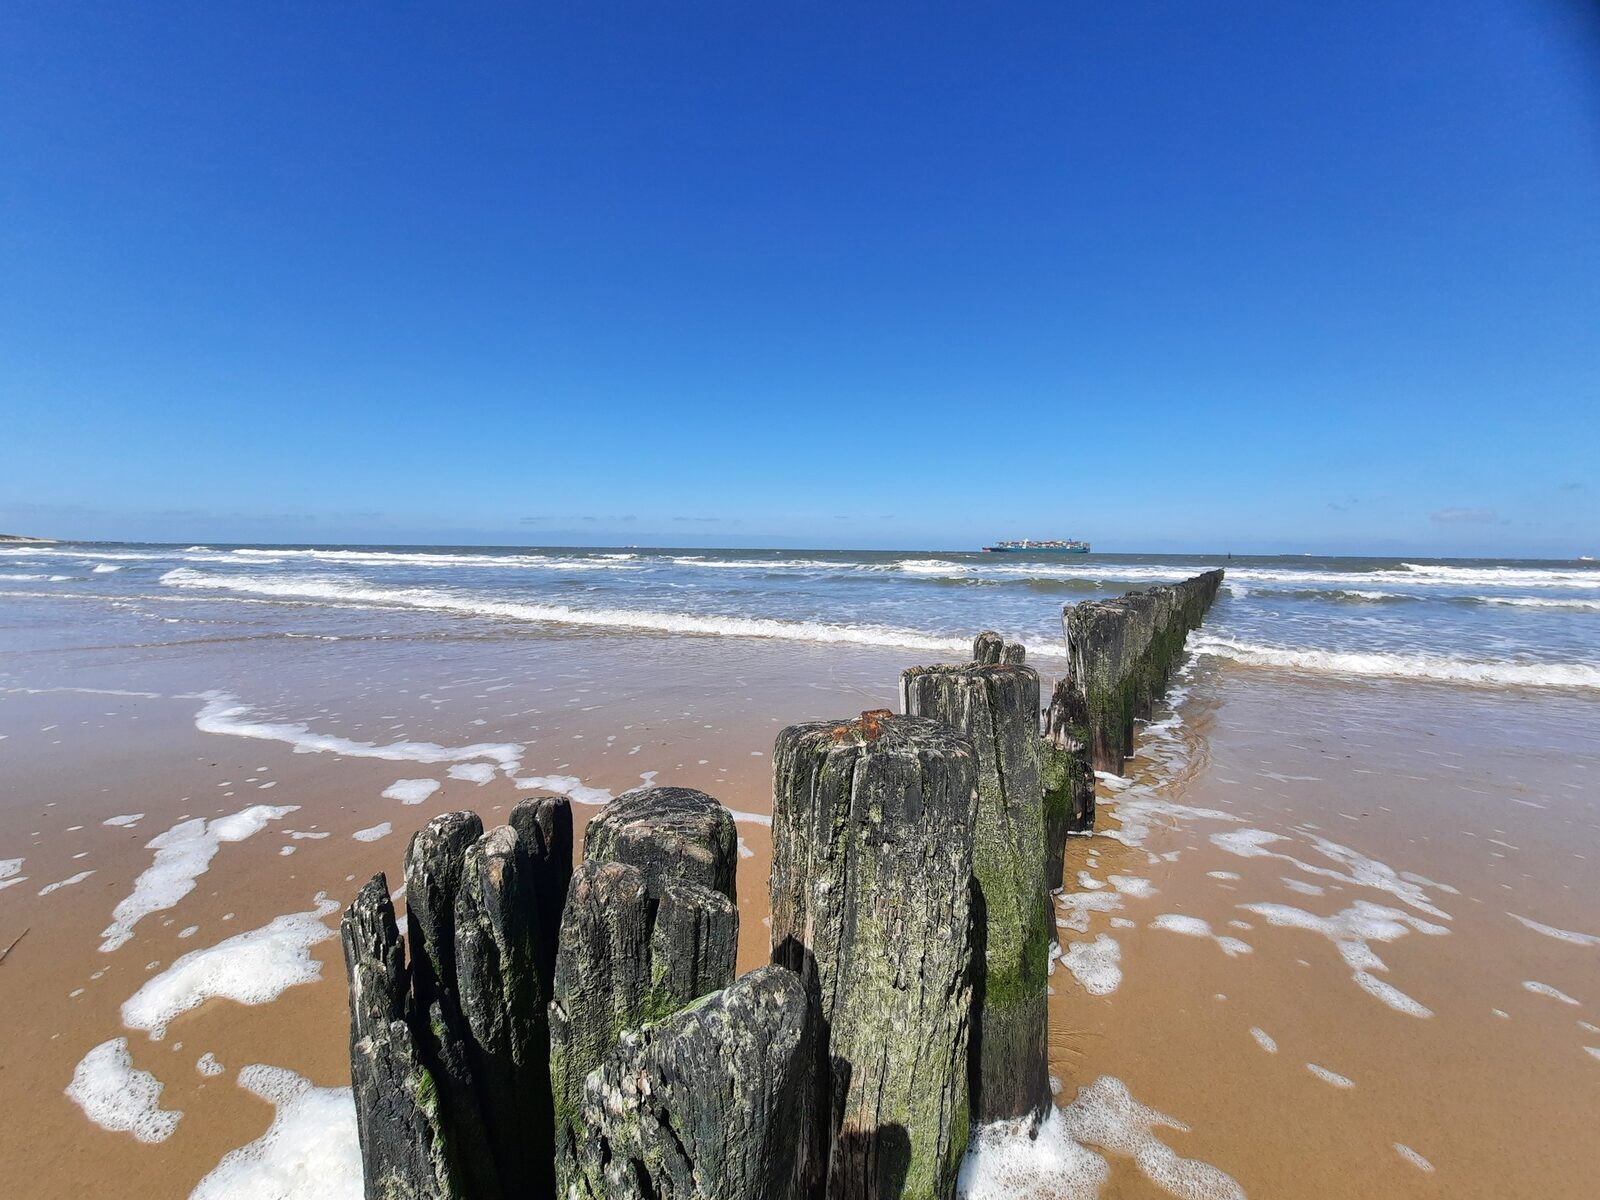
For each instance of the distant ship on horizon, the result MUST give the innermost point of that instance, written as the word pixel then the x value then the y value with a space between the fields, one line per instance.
pixel 1028 546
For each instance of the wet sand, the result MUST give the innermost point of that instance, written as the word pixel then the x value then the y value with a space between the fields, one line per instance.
pixel 1440 784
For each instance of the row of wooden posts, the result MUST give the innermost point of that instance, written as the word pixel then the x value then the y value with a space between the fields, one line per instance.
pixel 577 1031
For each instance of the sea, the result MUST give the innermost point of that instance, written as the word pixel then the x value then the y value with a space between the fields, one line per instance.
pixel 1468 622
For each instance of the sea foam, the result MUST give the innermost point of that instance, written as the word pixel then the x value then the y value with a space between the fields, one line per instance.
pixel 1096 965
pixel 1351 931
pixel 9 868
pixel 183 853
pixel 310 1152
pixel 1106 1115
pixel 67 882
pixel 1544 989
pixel 1197 927
pixel 118 1096
pixel 411 791
pixel 1051 1161
pixel 1010 1159
pixel 1330 1077
pixel 1571 936
pixel 254 967
pixel 223 713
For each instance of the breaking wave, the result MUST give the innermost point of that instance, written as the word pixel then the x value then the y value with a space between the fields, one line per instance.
pixel 1430 667
pixel 433 600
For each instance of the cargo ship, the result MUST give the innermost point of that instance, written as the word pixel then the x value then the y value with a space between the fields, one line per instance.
pixel 1027 546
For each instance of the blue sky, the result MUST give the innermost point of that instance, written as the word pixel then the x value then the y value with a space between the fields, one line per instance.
pixel 1257 276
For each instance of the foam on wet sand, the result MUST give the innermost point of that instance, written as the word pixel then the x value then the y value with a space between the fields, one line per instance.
pixel 1561 935
pixel 254 967
pixel 9 876
pixel 1330 1077
pixel 183 854
pixel 1008 1159
pixel 1053 1160
pixel 310 1152
pixel 67 882
pixel 1544 989
pixel 411 791
pixel 1106 1115
pixel 223 713
pixel 1196 927
pixel 119 1097
pixel 1095 965
pixel 1350 931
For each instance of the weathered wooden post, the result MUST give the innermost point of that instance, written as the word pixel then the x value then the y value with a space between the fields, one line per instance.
pixel 996 705
pixel 871 894
pixel 1067 773
pixel 710 1104
pixel 449 1055
pixel 544 829
pixel 434 863
pixel 507 1032
pixel 602 988
pixel 404 1148
pixel 649 926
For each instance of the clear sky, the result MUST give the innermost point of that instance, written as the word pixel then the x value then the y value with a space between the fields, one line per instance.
pixel 1264 275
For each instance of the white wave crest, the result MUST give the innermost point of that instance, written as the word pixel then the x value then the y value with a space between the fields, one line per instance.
pixel 1431 667
pixel 1575 602
pixel 422 558
pixel 432 600
pixel 1503 576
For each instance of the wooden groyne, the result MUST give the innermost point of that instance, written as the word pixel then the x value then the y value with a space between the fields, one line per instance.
pixel 547 1030
pixel 1121 653
pixel 994 702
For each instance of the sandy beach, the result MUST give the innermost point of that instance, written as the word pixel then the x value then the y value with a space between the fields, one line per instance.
pixel 1340 934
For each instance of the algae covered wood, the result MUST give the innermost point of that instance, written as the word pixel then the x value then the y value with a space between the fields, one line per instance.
pixel 602 986
pixel 449 1056
pixel 503 1006
pixel 544 829
pixel 871 895
pixel 997 706
pixel 1122 652
pixel 649 926
pixel 712 1103
pixel 404 1150
pixel 435 859
pixel 693 944
pixel 1067 774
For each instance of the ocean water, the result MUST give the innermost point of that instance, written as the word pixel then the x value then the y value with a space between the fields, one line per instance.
pixel 1471 623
